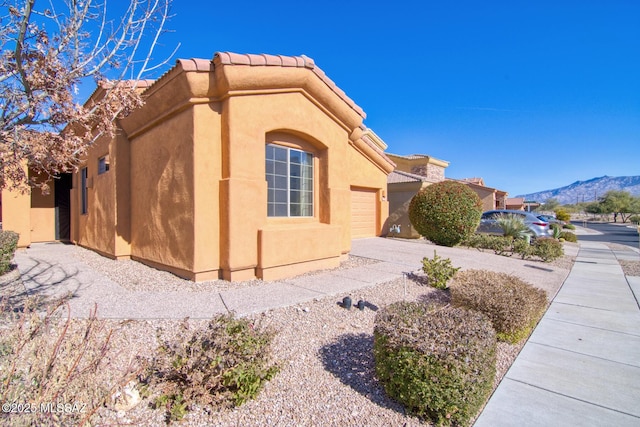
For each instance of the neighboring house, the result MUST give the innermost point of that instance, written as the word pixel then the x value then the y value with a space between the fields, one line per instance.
pixel 413 173
pixel 238 167
pixel 490 197
pixel 515 203
pixel 417 171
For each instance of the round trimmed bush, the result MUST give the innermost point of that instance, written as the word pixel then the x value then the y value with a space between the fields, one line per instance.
pixel 513 305
pixel 438 362
pixel 446 212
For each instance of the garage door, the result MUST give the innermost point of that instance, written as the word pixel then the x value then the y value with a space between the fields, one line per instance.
pixel 363 213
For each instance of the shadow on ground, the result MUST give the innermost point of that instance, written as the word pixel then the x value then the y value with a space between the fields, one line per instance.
pixel 350 359
pixel 37 287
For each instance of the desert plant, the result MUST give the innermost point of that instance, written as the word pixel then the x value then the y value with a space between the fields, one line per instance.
pixel 445 212
pixel 523 248
pixel 438 362
pixel 48 359
pixel 8 245
pixel 556 229
pixel 500 245
pixel 513 226
pixel 562 215
pixel 513 305
pixel 548 249
pixel 569 226
pixel 224 364
pixel 438 270
pixel 634 219
pixel 568 236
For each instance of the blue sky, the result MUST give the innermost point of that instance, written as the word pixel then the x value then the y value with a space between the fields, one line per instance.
pixel 529 95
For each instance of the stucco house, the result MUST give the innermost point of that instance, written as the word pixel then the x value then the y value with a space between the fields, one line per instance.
pixel 490 198
pixel 417 171
pixel 413 173
pixel 239 167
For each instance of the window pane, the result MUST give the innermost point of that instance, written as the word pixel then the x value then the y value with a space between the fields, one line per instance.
pixel 280 168
pixel 295 156
pixel 295 183
pixel 280 209
pixel 294 169
pixel 280 154
pixel 280 196
pixel 269 152
pixel 306 210
pixel 280 182
pixel 306 184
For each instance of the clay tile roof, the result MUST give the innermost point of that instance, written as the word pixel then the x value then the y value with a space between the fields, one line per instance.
pixel 398 176
pixel 194 64
pixel 410 156
pixel 256 60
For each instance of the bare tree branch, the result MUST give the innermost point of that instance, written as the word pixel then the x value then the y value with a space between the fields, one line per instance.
pixel 47 53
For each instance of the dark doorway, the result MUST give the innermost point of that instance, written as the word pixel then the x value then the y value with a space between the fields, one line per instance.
pixel 62 196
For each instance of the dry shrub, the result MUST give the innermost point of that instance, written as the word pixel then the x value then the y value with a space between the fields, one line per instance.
pixel 54 370
pixel 438 362
pixel 513 305
pixel 222 365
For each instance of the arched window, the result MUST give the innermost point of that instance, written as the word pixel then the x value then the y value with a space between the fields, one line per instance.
pixel 289 175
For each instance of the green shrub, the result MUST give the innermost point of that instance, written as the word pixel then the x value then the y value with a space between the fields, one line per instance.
pixel 513 305
pixel 556 229
pixel 635 219
pixel 501 245
pixel 8 245
pixel 569 226
pixel 439 363
pixel 222 365
pixel 439 271
pixel 513 226
pixel 568 236
pixel 562 215
pixel 523 247
pixel 548 249
pixel 445 212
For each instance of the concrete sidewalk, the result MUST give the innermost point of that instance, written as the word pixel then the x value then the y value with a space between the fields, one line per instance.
pixel 581 365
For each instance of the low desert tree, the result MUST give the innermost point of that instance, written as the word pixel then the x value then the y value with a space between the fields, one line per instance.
pixel 49 50
pixel 446 212
pixel 619 202
pixel 550 205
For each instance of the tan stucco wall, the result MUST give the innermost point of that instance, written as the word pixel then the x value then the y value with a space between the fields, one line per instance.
pixel 16 215
pixel 162 211
pixel 97 228
pixel 400 195
pixel 487 197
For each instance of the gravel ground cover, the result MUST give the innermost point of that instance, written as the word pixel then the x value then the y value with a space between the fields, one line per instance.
pixel 327 374
pixel 323 350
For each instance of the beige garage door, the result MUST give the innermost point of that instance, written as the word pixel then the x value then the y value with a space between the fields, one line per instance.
pixel 363 213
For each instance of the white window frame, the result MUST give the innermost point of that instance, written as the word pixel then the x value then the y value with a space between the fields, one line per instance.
pixel 306 206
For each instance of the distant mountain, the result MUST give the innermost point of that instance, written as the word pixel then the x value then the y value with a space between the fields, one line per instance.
pixel 588 191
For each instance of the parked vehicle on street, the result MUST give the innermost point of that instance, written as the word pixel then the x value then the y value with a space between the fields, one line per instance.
pixel 551 219
pixel 537 226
